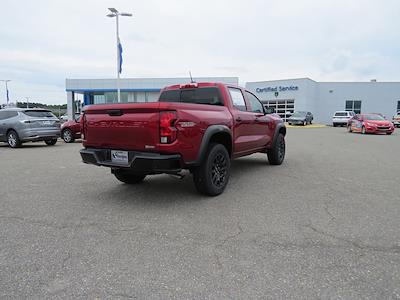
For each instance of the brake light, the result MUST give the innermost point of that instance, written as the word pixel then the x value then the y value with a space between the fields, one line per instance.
pixel 188 85
pixel 167 129
pixel 82 126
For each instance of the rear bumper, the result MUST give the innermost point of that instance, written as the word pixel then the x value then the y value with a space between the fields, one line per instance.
pixel 32 135
pixel 340 121
pixel 138 162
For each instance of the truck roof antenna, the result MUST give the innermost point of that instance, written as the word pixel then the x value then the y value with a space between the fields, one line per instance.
pixel 191 78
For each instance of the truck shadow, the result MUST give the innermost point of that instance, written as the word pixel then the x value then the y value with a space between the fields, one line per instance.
pixel 162 189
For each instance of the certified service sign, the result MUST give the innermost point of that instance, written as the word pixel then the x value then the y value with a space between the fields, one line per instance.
pixel 278 89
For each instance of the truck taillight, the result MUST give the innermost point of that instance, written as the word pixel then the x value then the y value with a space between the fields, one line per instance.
pixel 167 129
pixel 82 125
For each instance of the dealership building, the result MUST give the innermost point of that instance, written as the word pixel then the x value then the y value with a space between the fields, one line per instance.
pixel 324 98
pixel 286 96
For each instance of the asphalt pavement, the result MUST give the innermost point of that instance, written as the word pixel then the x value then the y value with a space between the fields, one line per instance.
pixel 324 225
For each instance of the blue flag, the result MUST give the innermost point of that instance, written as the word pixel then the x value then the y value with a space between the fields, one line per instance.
pixel 119 56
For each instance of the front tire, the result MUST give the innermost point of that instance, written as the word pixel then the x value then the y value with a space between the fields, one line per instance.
pixel 51 142
pixel 13 139
pixel 276 154
pixel 127 177
pixel 389 133
pixel 67 136
pixel 334 124
pixel 212 176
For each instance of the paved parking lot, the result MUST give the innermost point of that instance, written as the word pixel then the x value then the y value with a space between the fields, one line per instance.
pixel 325 224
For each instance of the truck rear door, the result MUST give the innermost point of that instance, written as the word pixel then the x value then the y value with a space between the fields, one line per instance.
pixel 122 126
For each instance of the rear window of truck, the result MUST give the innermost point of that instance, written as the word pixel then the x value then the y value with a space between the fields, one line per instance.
pixel 209 95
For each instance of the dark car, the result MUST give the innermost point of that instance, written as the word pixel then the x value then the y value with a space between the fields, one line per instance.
pixel 18 125
pixel 301 118
pixel 71 130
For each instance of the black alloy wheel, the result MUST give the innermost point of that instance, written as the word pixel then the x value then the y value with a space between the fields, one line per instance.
pixel 276 154
pixel 218 170
pixel 212 176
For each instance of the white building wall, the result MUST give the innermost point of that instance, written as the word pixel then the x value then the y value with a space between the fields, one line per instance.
pixel 324 98
pixel 375 97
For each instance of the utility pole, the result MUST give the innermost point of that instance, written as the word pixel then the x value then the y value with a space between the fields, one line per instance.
pixel 27 102
pixel 115 13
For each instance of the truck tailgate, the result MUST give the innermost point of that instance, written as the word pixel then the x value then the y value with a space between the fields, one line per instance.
pixel 130 126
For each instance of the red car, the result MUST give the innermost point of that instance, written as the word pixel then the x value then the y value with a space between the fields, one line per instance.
pixel 199 127
pixel 71 130
pixel 370 123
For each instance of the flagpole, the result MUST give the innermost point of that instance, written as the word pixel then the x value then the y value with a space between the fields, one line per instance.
pixel 115 13
pixel 118 61
pixel 7 95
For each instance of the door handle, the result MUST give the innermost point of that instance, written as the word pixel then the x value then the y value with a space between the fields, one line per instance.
pixel 257 119
pixel 238 119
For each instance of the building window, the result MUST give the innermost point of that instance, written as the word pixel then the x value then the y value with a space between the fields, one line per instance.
pixel 284 108
pixel 353 105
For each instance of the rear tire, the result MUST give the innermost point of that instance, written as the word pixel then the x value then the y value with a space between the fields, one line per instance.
pixel 67 136
pixel 13 139
pixel 127 177
pixel 212 176
pixel 276 154
pixel 51 142
pixel 334 124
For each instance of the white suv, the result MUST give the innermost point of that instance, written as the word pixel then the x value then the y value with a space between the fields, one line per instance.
pixel 341 118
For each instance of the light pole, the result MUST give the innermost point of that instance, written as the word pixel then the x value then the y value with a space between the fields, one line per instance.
pixel 27 102
pixel 115 13
pixel 5 81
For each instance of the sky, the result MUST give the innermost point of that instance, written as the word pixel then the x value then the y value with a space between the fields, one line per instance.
pixel 43 42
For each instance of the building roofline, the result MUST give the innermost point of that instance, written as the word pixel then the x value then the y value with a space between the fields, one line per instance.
pixel 301 78
pixel 152 78
pixel 307 78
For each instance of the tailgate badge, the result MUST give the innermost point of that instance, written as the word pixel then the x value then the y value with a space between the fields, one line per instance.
pixel 149 147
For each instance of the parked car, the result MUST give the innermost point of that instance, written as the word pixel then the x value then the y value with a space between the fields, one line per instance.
pixel 64 118
pixel 396 119
pixel 301 118
pixel 71 130
pixel 341 118
pixel 19 125
pixel 196 126
pixel 370 123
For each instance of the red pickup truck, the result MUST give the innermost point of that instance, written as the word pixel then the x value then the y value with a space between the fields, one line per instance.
pixel 198 126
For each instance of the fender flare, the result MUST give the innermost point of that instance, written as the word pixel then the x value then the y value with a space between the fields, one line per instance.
pixel 205 141
pixel 278 127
